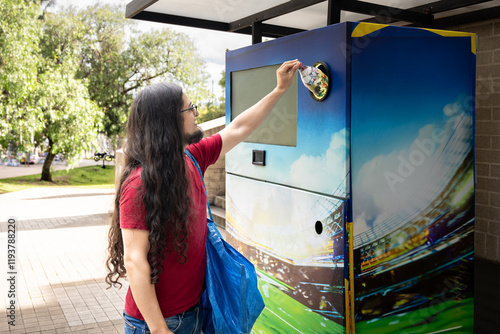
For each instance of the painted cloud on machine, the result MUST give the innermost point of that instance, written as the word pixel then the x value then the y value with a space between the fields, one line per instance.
pixel 324 173
pixel 274 222
pixel 321 173
pixel 399 185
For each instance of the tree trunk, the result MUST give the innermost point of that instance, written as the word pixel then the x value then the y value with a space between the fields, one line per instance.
pixel 46 175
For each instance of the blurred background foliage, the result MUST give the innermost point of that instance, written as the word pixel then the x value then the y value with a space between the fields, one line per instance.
pixel 67 76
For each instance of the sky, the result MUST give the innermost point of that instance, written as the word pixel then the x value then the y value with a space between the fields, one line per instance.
pixel 212 45
pixel 411 125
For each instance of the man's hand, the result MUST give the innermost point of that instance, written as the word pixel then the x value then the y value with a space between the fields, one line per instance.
pixel 286 73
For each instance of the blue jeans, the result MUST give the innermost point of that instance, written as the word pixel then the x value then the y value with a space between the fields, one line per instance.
pixel 188 322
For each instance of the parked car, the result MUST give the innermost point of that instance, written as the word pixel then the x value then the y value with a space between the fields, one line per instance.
pixel 36 158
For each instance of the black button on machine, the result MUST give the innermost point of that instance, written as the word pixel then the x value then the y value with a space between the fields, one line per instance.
pixel 259 157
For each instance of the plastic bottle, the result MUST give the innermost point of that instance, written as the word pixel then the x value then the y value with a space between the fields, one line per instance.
pixel 314 80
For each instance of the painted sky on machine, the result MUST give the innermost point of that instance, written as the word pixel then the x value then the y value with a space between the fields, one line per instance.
pixel 266 219
pixel 426 98
pixel 398 142
pixel 319 161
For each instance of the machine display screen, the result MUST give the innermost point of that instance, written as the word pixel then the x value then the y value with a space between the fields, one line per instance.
pixel 248 87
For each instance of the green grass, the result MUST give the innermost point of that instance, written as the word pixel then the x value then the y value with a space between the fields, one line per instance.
pixel 285 315
pixel 449 317
pixel 85 177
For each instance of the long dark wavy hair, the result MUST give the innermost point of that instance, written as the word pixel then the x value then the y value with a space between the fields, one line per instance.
pixel 155 142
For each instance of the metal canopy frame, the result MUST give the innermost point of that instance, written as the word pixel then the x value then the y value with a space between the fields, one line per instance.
pixel 421 16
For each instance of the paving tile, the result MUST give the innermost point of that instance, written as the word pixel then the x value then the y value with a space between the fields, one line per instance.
pixel 78 328
pixel 35 329
pixel 110 330
pixel 43 322
pixel 61 286
pixel 91 325
pixel 58 325
pixel 29 321
pixel 74 323
pixel 17 331
pixel 47 327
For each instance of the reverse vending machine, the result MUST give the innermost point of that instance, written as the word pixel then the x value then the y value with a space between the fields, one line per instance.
pixel 358 209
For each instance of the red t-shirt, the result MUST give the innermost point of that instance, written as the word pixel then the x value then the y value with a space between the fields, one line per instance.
pixel 179 286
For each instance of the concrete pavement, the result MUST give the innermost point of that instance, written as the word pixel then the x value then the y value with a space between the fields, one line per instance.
pixel 60 250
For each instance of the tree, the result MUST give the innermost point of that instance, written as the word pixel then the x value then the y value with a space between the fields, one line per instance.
pixel 211 111
pixel 118 60
pixel 222 81
pixel 40 97
pixel 19 60
pixel 67 75
pixel 70 119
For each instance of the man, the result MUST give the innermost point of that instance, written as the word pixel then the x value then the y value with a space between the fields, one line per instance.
pixel 158 232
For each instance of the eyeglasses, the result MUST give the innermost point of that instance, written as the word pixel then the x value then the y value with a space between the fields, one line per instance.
pixel 194 106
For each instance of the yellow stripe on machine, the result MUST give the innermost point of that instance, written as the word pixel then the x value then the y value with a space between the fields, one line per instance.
pixel 364 28
pixel 446 33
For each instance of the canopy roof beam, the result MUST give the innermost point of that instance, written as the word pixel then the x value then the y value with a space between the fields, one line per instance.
pixel 255 24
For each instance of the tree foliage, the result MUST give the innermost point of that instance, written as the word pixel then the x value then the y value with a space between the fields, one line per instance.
pixel 19 59
pixel 70 118
pixel 67 75
pixel 212 111
pixel 118 59
pixel 222 81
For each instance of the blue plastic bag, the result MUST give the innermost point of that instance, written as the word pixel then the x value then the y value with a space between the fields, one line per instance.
pixel 232 301
pixel 231 295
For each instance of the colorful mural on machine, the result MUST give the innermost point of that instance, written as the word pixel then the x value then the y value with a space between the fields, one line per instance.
pixel 413 183
pixel 300 268
pixel 390 148
pixel 288 216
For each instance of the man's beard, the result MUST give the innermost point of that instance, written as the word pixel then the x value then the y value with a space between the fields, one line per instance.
pixel 193 138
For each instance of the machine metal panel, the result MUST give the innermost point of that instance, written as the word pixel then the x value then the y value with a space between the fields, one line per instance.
pixel 319 160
